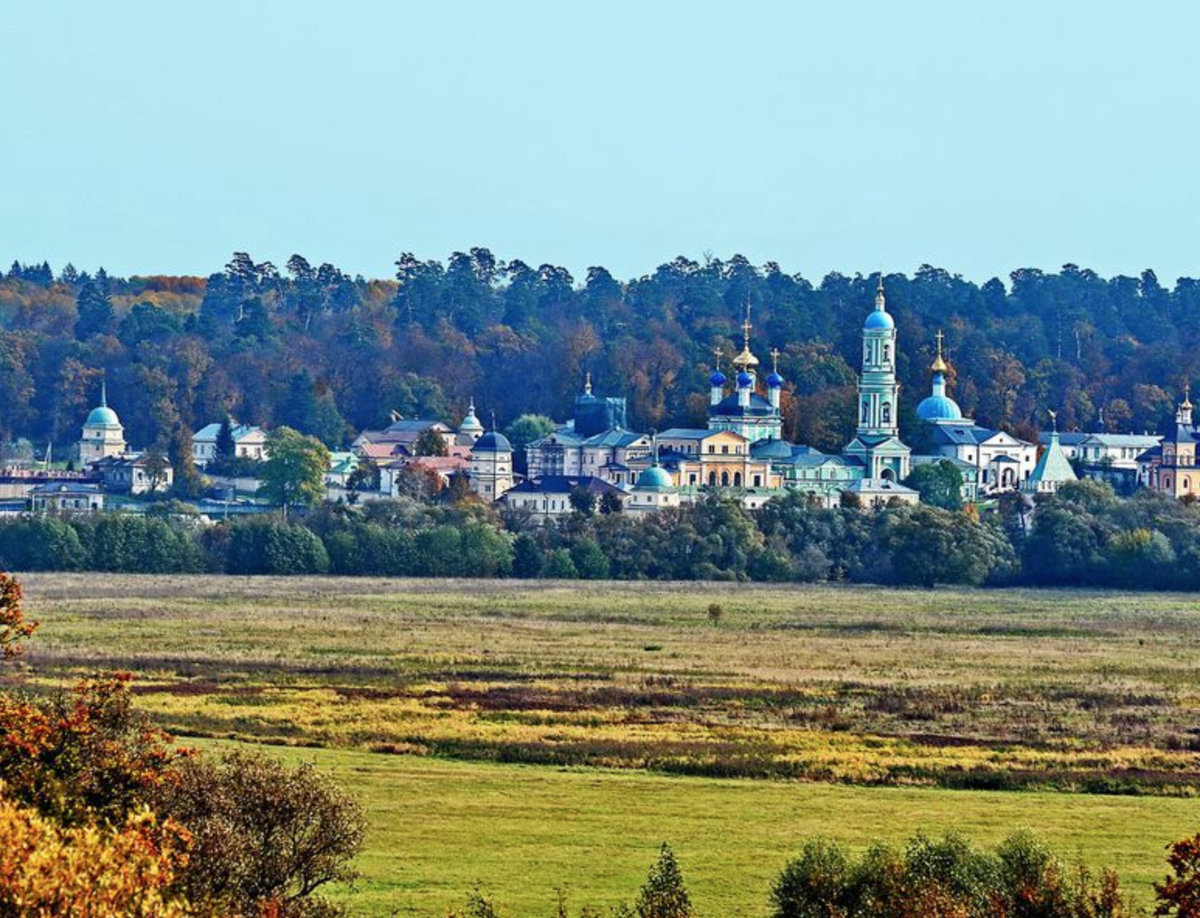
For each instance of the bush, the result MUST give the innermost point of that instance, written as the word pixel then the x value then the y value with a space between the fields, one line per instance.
pixel 262 833
pixel 273 547
pixel 945 877
pixel 47 870
pixel 41 543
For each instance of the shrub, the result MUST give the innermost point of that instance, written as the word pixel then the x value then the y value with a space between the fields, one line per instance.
pixel 273 547
pixel 946 877
pixel 1179 895
pixel 262 833
pixel 128 872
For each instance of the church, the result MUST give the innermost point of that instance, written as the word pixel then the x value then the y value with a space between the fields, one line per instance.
pixel 741 450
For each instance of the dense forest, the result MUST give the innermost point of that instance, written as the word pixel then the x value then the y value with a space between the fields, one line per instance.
pixel 330 354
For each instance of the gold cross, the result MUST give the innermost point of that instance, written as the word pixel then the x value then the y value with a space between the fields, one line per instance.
pixel 775 359
pixel 939 337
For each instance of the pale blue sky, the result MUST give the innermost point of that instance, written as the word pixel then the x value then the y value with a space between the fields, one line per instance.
pixel 160 137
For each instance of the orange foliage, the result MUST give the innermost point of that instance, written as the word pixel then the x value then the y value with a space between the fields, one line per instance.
pixel 86 755
pixel 13 627
pixel 1179 896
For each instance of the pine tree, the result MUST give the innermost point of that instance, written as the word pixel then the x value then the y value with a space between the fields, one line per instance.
pixel 94 312
pixel 226 447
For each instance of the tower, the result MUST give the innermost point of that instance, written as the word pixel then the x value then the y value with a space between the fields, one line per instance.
pixel 103 435
pixel 878 391
pixel 470 425
pixel 716 382
pixel 491 468
pixel 774 381
pixel 877 439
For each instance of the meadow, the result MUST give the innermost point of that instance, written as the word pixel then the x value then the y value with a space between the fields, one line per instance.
pixel 959 689
pixel 537 735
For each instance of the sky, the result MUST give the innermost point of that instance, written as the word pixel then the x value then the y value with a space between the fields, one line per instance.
pixel 153 137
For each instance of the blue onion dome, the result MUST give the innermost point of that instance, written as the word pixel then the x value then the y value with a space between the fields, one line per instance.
pixel 717 380
pixel 775 381
pixel 103 417
pixel 879 319
pixel 492 442
pixel 744 380
pixel 655 477
pixel 939 408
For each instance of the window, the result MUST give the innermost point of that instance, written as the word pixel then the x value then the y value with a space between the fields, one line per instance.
pixel 724 479
pixel 712 479
pixel 724 447
pixel 887 353
pixel 737 479
pixel 712 448
pixel 758 481
pixel 887 413
pixel 866 411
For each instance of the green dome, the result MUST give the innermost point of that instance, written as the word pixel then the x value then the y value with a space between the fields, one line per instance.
pixel 103 417
pixel 654 478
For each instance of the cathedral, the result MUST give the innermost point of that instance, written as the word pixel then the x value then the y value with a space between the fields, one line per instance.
pixel 741 450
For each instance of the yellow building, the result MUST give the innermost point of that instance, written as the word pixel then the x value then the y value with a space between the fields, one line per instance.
pixel 1170 467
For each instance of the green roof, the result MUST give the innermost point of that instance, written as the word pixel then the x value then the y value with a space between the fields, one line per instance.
pixel 1053 464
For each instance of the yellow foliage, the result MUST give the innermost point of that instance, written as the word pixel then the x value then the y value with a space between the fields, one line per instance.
pixel 88 872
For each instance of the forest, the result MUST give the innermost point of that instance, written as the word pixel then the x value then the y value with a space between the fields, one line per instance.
pixel 329 354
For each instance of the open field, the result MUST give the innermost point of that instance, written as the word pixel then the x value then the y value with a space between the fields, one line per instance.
pixel 1001 689
pixel 437 827
pixel 854 689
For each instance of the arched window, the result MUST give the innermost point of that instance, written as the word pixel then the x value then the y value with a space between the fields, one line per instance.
pixel 712 479
pixel 737 479
pixel 1166 481
pixel 866 411
pixel 887 353
pixel 887 413
pixel 724 479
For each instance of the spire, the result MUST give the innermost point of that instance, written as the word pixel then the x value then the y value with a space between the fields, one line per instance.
pixel 654 444
pixel 746 359
pixel 880 300
pixel 587 383
pixel 717 354
pixel 939 365
pixel 103 393
pixel 1053 424
pixel 1187 397
pixel 774 360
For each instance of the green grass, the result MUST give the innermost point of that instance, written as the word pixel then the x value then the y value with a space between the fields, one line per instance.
pixel 438 827
pixel 887 696
pixel 1014 689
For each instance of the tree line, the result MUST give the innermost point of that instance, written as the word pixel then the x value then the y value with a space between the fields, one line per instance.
pixel 315 349
pixel 1085 535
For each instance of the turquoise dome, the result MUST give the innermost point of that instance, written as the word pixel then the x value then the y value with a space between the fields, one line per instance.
pixel 939 408
pixel 879 319
pixel 103 417
pixel 654 478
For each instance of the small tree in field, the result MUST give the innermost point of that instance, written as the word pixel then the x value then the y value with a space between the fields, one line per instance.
pixel 1179 895
pixel 664 895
